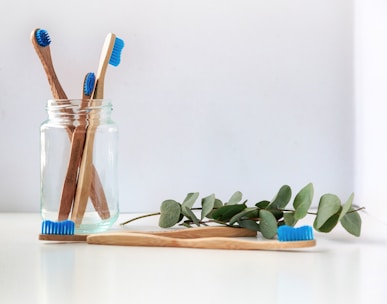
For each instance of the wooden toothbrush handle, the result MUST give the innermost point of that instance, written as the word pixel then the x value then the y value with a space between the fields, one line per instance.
pixel 97 194
pixel 70 182
pixel 138 239
pixel 85 176
pixel 209 231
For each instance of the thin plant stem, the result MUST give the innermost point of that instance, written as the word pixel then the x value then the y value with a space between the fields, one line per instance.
pixel 139 217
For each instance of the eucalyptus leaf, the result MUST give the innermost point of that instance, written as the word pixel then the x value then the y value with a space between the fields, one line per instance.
pixel 186 224
pixel 289 219
pixel 267 224
pixel 235 198
pixel 170 211
pixel 347 206
pixel 226 212
pixel 190 199
pixel 352 222
pixel 189 214
pixel 262 204
pixel 330 223
pixel 217 204
pixel 282 198
pixel 249 224
pixel 328 213
pixel 188 202
pixel 208 204
pixel 244 213
pixel 303 201
pixel 278 214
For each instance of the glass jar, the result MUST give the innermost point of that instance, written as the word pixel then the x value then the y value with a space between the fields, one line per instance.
pixel 79 143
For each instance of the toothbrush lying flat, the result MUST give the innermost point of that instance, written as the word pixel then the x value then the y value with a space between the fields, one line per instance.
pixel 138 239
pixel 41 42
pixel 64 231
pixel 110 55
pixel 288 238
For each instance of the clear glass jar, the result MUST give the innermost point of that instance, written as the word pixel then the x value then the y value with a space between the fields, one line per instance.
pixel 79 143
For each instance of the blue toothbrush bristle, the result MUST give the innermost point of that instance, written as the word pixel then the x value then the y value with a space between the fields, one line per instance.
pixel 115 57
pixel 89 84
pixel 291 234
pixel 42 37
pixel 63 228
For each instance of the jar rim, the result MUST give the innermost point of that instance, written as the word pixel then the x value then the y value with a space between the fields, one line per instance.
pixel 77 100
pixel 53 104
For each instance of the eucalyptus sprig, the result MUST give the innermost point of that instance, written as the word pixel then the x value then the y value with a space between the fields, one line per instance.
pixel 265 216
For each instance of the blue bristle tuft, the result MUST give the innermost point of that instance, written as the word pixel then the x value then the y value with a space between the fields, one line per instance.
pixel 42 37
pixel 89 84
pixel 289 234
pixel 62 228
pixel 115 57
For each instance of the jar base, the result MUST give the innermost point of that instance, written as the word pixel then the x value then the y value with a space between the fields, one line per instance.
pixel 91 223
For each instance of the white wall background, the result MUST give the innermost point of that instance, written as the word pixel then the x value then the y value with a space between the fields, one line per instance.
pixel 371 104
pixel 211 95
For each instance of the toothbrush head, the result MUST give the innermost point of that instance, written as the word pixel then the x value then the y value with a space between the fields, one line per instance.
pixel 289 234
pixel 88 85
pixel 115 57
pixel 64 228
pixel 42 38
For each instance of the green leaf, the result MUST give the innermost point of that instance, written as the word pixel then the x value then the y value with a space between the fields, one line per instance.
pixel 226 212
pixel 303 201
pixel 217 204
pixel 278 214
pixel 328 213
pixel 186 224
pixel 188 202
pixel 208 204
pixel 189 214
pixel 170 211
pixel 352 222
pixel 282 198
pixel 262 204
pixel 290 220
pixel 347 206
pixel 267 224
pixel 249 224
pixel 330 223
pixel 244 213
pixel 235 198
pixel 190 199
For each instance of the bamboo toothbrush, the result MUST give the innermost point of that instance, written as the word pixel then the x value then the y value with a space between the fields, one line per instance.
pixel 288 238
pixel 77 144
pixel 41 42
pixel 111 53
pixel 64 232
pixel 99 201
pixel 137 239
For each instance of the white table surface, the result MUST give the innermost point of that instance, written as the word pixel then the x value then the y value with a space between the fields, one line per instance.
pixel 340 269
